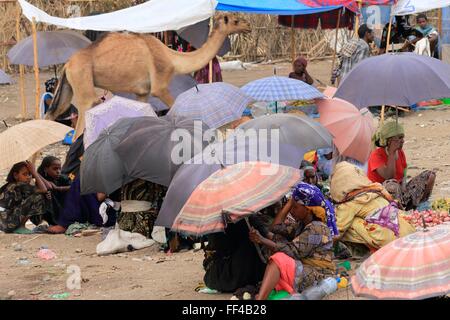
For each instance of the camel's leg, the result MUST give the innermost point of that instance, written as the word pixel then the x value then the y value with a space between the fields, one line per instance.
pixel 82 83
pixel 160 84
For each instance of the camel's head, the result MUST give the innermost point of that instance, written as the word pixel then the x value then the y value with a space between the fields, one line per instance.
pixel 231 23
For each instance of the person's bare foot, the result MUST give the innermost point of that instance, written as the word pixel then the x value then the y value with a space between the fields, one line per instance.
pixel 56 229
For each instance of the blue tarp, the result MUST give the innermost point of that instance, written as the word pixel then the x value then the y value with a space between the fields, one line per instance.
pixel 276 7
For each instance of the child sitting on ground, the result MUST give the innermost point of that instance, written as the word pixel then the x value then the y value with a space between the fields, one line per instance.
pixel 57 184
pixel 20 200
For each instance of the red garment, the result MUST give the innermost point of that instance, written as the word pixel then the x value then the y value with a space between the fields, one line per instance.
pixel 379 158
pixel 286 266
pixel 328 20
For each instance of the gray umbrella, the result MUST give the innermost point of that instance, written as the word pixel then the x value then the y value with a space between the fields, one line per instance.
pixel 299 131
pixel 4 78
pixel 179 84
pixel 101 168
pixel 214 157
pixel 401 79
pixel 54 47
pixel 156 147
pixel 197 34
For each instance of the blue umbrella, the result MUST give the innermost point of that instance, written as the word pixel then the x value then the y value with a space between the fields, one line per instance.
pixel 276 88
pixel 216 104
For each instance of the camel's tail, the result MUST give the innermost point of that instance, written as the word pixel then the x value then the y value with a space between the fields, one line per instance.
pixel 62 98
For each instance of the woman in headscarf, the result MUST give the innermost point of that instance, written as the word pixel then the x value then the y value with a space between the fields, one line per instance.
pixel 302 251
pixel 365 212
pixel 300 72
pixel 387 165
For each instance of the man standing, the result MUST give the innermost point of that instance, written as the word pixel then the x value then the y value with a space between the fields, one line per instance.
pixel 354 52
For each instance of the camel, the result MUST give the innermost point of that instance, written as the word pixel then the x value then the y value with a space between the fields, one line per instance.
pixel 133 63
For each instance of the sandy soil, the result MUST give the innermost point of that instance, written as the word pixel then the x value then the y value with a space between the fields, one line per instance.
pixel 148 273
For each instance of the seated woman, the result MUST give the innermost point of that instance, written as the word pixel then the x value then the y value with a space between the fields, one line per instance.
pixel 300 72
pixel 387 165
pixel 302 251
pixel 58 186
pixel 365 212
pixel 83 209
pixel 231 260
pixel 19 200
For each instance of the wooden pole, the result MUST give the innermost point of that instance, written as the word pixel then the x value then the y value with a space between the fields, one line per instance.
pixel 293 44
pixel 387 50
pixel 357 21
pixel 336 41
pixel 36 69
pixel 389 34
pixel 21 68
pixel 210 73
pixel 440 21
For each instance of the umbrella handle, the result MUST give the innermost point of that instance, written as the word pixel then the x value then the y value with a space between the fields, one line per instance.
pixel 258 249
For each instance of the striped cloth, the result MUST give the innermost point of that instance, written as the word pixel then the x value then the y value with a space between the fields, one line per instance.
pixel 233 193
pixel 413 267
pixel 215 104
pixel 277 88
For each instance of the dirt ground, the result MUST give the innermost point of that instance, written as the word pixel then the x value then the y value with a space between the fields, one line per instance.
pixel 149 273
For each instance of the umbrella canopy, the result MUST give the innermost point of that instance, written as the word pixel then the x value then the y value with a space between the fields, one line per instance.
pixel 101 168
pixel 216 104
pixel 302 132
pixel 54 47
pixel 179 84
pixel 233 193
pixel 21 141
pixel 4 78
pixel 400 79
pixel 413 267
pixel 197 34
pixel 107 113
pixel 213 158
pixel 277 88
pixel 352 128
pixel 329 92
pixel 152 150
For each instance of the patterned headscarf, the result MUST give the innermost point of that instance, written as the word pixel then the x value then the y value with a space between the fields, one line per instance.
pixel 50 84
pixel 311 197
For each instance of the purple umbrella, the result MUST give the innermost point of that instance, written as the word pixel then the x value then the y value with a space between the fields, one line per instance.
pixel 395 79
pixel 214 157
pixel 106 114
pixel 54 47
pixel 4 78
pixel 178 85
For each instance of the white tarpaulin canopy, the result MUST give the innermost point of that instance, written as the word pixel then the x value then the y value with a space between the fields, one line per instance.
pixel 151 16
pixel 405 7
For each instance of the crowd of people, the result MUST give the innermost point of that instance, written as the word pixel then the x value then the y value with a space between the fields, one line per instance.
pixel 340 208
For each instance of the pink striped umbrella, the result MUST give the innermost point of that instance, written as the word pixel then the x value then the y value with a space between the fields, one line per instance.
pixel 233 193
pixel 413 267
pixel 352 128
